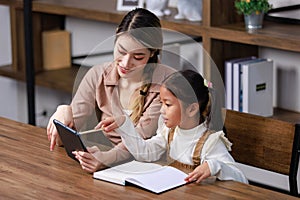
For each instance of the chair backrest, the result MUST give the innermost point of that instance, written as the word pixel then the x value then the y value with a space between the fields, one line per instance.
pixel 265 143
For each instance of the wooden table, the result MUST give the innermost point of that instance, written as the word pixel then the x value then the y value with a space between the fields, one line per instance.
pixel 30 171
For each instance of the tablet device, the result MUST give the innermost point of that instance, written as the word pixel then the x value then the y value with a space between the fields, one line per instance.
pixel 70 138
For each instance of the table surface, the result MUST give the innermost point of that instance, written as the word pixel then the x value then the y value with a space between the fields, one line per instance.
pixel 30 171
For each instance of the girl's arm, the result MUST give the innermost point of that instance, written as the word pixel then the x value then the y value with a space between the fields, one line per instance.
pixel 95 159
pixel 216 161
pixel 143 150
pixel 220 162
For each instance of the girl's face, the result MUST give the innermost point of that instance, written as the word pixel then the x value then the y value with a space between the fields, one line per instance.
pixel 171 109
pixel 130 56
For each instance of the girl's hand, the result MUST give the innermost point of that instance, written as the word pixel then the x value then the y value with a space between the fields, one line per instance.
pixel 111 123
pixel 88 159
pixel 63 114
pixel 200 173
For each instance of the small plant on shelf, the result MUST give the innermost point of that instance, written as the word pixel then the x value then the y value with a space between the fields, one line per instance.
pixel 247 7
pixel 253 11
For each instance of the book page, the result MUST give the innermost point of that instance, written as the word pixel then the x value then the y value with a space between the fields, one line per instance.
pixel 119 173
pixel 150 176
pixel 137 167
pixel 159 180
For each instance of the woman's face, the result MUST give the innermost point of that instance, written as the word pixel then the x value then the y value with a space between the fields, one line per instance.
pixel 171 109
pixel 130 56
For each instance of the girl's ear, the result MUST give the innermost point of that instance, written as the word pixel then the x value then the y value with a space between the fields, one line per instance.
pixel 192 109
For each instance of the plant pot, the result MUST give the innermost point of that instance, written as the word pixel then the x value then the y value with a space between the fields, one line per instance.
pixel 254 20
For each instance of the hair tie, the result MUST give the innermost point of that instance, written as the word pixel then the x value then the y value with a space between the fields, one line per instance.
pixel 208 83
pixel 143 93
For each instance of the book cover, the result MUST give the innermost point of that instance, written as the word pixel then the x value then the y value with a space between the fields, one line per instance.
pixel 258 88
pixel 241 78
pixel 74 140
pixel 149 176
pixel 229 79
pixel 236 83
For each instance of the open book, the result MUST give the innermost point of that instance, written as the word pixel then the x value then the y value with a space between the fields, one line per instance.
pixel 150 176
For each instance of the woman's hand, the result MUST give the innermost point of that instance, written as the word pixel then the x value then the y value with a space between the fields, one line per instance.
pixel 63 114
pixel 200 173
pixel 88 160
pixel 111 123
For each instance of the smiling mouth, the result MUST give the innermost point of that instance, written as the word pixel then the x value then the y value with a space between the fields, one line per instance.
pixel 124 70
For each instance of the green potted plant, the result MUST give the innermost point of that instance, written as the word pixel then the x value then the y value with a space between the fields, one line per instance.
pixel 253 11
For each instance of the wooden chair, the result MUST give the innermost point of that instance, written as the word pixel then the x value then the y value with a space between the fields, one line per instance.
pixel 265 143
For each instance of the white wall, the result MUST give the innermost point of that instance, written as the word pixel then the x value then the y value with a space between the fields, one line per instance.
pixel 281 3
pixel 286 76
pixel 89 37
pixel 11 107
pixel 9 95
pixel 173 3
pixel 14 102
pixel 5 38
pixel 47 101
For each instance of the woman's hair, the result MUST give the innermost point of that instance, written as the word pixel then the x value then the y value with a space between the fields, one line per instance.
pixel 145 27
pixel 188 86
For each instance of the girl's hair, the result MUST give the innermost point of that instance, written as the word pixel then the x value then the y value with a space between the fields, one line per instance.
pixel 145 27
pixel 188 86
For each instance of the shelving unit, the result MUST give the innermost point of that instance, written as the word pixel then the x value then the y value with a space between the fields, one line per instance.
pixel 222 32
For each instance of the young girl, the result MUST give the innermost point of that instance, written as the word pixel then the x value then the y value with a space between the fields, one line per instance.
pixel 184 132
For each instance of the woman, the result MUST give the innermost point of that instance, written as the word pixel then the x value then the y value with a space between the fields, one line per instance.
pixel 129 84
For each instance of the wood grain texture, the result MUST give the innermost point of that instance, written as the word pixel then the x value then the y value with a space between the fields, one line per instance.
pixel 30 171
pixel 65 79
pixel 274 35
pixel 261 142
